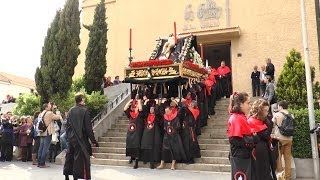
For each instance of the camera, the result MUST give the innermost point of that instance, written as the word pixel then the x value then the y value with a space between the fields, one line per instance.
pixel 316 129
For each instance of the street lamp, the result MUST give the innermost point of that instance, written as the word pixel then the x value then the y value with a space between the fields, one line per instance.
pixel 315 155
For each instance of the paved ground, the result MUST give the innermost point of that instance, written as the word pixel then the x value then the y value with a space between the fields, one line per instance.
pixel 25 171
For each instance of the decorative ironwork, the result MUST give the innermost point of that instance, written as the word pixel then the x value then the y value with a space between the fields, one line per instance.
pixel 110 105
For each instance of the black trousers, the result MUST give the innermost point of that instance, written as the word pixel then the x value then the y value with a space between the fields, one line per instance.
pixel 255 89
pixel 26 152
pixel 6 151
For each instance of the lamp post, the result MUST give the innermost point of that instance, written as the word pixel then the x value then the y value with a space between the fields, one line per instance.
pixel 315 155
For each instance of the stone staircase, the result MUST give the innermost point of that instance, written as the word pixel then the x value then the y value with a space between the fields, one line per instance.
pixel 213 144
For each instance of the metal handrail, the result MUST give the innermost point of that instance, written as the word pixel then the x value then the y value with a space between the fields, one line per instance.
pixel 109 106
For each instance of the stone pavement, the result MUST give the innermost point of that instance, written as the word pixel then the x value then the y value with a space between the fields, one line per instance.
pixel 25 171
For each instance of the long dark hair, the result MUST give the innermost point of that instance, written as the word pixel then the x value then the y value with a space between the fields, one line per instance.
pixel 235 101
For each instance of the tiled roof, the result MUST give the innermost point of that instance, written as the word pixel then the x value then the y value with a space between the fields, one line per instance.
pixel 17 80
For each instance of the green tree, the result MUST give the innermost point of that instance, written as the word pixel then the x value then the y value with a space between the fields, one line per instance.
pixel 44 74
pixel 27 104
pixel 291 85
pixel 95 63
pixel 68 46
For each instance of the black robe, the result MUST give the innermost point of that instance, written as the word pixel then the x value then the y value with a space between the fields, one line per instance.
pixel 7 141
pixel 263 163
pixel 203 107
pixel 79 150
pixel 172 147
pixel 134 134
pixel 151 139
pixel 226 85
pixel 188 135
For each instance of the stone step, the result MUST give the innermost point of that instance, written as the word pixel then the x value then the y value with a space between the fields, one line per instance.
pixel 214 153
pixel 116 134
pixel 117 130
pixel 204 160
pixel 215 122
pixel 221 129
pixel 110 150
pixel 110 156
pixel 112 139
pixel 179 166
pixel 213 141
pixel 119 126
pixel 213 135
pixel 212 160
pixel 222 147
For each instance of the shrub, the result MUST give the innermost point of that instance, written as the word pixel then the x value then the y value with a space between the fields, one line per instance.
pixel 291 85
pixel 301 139
pixel 27 104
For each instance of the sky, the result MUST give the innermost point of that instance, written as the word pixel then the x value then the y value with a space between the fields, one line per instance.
pixel 23 27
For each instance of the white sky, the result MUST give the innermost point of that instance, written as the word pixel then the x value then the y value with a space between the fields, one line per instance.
pixel 23 27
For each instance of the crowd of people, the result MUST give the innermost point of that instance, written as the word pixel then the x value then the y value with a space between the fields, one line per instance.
pixel 108 82
pixel 164 128
pixel 20 134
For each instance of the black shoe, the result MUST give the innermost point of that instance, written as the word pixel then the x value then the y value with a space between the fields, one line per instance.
pixel 136 164
pixel 152 165
pixel 131 160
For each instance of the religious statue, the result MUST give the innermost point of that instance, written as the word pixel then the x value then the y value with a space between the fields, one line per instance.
pixel 167 47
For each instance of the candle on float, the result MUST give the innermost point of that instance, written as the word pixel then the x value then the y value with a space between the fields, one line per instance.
pixel 201 51
pixel 175 32
pixel 130 39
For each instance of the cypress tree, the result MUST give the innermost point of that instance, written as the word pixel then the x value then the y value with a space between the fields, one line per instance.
pixel 95 63
pixel 291 85
pixel 43 75
pixel 67 50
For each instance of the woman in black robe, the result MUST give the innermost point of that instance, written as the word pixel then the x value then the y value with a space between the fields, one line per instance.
pixel 172 147
pixel 190 116
pixel 133 110
pixel 262 153
pixel 240 138
pixel 151 139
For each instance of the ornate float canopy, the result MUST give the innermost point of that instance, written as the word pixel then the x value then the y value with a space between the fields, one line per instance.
pixel 169 61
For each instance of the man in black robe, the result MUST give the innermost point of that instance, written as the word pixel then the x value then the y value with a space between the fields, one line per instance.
pixel 190 116
pixel 133 110
pixel 151 139
pixel 172 147
pixel 79 132
pixel 7 138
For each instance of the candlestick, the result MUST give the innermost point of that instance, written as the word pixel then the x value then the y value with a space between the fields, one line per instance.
pixel 175 32
pixel 130 39
pixel 201 51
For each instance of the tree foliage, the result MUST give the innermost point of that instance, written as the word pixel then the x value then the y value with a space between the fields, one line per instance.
pixel 27 104
pixel 95 63
pixel 291 85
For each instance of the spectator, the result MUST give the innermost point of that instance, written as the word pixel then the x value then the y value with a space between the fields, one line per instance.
pixel 285 142
pixel 46 136
pixel 36 138
pixel 255 77
pixel 116 80
pixel 262 77
pixel 270 93
pixel 26 140
pixel 270 69
pixel 64 137
pixel 107 81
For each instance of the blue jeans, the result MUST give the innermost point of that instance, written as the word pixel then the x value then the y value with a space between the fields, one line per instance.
pixel 64 141
pixel 45 142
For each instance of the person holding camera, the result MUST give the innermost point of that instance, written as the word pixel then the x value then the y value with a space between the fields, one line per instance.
pixel 79 131
pixel 46 136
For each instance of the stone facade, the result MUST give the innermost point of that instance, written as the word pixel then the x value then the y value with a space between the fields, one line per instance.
pixel 255 29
